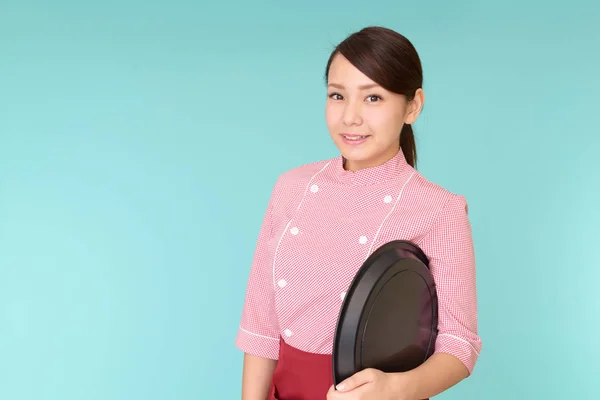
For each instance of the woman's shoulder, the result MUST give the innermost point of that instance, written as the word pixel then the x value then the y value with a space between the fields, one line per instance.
pixel 425 187
pixel 424 192
pixel 306 170
pixel 301 175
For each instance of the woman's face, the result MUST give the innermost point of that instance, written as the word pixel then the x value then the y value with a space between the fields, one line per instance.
pixel 365 120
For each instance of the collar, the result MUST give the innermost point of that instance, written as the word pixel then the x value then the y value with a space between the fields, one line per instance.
pixel 393 169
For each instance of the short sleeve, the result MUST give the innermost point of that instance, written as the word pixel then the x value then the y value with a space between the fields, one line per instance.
pixel 449 246
pixel 258 333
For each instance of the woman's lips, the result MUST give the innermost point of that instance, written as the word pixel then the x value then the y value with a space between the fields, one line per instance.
pixel 354 140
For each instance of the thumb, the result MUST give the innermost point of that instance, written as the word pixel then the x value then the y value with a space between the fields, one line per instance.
pixel 356 380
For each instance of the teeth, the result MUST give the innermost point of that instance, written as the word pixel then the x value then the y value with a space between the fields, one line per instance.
pixel 354 137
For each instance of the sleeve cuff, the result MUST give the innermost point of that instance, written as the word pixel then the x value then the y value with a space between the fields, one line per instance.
pixel 257 345
pixel 466 351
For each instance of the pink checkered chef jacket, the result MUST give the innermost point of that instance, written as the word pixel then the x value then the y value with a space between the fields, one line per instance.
pixel 321 224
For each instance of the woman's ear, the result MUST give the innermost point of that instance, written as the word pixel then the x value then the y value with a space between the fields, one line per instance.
pixel 415 106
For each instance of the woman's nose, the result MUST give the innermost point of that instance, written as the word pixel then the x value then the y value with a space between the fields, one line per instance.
pixel 352 115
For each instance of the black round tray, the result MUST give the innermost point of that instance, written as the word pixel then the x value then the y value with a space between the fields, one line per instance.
pixel 388 319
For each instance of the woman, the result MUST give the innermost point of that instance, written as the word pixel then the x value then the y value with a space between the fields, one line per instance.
pixel 325 218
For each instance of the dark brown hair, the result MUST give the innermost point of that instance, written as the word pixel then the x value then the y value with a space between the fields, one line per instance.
pixel 389 59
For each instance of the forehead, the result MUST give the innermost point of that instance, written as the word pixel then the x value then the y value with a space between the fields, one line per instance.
pixel 342 72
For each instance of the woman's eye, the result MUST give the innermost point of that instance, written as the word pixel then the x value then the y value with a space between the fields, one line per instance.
pixel 373 98
pixel 335 96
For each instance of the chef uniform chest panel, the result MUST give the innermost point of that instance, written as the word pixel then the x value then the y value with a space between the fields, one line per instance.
pixel 320 238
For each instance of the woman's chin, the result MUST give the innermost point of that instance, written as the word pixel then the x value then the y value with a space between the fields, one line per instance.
pixel 356 160
pixel 355 154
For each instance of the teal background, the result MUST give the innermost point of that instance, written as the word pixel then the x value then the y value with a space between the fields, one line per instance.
pixel 139 141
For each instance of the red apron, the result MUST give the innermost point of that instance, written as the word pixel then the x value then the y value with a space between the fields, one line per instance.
pixel 300 375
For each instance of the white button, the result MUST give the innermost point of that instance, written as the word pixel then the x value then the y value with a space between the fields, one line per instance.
pixel 387 199
pixel 288 332
pixel 314 188
pixel 294 231
pixel 282 283
pixel 362 240
pixel 343 295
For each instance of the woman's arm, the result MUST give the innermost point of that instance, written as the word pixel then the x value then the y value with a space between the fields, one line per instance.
pixel 450 248
pixel 258 333
pixel 439 373
pixel 256 377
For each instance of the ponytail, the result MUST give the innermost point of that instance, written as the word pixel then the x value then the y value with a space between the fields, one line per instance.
pixel 407 144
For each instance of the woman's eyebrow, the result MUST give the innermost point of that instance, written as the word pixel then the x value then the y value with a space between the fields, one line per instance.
pixel 361 87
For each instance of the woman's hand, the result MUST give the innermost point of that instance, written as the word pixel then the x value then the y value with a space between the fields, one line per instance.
pixel 373 384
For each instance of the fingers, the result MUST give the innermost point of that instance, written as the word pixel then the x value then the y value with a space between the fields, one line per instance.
pixel 332 394
pixel 356 380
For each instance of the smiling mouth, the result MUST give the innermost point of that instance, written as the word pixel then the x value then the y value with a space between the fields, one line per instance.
pixel 354 137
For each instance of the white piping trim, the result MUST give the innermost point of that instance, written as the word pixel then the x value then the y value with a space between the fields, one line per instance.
pixel 276 249
pixel 389 213
pixel 309 182
pixel 288 224
pixel 461 339
pixel 256 334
